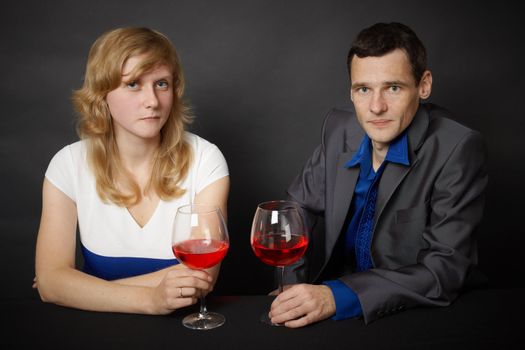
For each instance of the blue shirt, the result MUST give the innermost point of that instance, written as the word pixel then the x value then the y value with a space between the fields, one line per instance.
pixel 359 231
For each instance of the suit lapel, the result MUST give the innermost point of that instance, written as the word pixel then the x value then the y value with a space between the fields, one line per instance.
pixel 394 173
pixel 390 180
pixel 345 181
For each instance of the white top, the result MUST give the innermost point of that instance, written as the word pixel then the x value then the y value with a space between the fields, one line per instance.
pixel 108 230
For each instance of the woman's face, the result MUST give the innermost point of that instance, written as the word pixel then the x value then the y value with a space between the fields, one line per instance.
pixel 140 107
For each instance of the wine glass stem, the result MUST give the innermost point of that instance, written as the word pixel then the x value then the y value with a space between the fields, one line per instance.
pixel 280 275
pixel 203 311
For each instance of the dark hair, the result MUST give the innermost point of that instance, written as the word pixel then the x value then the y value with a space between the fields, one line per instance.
pixel 382 38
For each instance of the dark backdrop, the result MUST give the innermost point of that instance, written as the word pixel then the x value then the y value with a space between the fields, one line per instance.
pixel 261 76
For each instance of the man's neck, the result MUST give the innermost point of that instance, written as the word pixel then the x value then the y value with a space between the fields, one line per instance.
pixel 379 151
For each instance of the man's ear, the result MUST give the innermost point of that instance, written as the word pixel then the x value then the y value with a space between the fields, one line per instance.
pixel 425 85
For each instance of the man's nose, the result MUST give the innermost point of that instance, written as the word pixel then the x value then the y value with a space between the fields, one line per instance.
pixel 378 103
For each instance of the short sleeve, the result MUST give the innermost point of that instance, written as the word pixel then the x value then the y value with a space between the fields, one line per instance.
pixel 60 172
pixel 212 166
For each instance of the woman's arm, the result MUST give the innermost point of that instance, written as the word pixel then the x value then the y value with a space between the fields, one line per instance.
pixel 61 283
pixel 215 193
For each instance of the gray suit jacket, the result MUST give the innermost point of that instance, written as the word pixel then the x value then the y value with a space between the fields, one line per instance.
pixel 423 244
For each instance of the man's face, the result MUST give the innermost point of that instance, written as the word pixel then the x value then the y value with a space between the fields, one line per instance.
pixel 385 95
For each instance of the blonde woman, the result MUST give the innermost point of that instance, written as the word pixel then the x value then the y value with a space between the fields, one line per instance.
pixel 122 183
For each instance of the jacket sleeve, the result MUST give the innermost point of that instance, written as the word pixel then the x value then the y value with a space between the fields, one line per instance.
pixel 308 189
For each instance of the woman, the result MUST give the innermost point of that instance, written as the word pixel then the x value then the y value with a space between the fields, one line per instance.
pixel 123 182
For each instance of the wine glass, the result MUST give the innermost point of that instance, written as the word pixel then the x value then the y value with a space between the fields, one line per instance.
pixel 200 241
pixel 278 236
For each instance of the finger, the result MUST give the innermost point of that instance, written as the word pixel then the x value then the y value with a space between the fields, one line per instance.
pixel 290 293
pixel 281 305
pixel 189 292
pixel 190 282
pixel 186 272
pixel 289 314
pixel 201 274
pixel 299 322
pixel 186 280
pixel 276 291
pixel 177 303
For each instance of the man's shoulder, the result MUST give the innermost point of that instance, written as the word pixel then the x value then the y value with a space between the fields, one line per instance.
pixel 444 132
pixel 341 114
pixel 341 118
pixel 341 128
pixel 443 121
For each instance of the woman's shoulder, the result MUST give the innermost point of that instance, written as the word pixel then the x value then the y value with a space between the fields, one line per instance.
pixel 66 167
pixel 198 143
pixel 74 151
pixel 205 153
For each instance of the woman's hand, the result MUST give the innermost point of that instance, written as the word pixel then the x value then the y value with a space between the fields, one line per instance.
pixel 180 288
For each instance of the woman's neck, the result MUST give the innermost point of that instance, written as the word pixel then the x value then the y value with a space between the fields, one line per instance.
pixel 136 156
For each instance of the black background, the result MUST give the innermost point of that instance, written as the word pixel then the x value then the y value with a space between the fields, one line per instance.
pixel 260 75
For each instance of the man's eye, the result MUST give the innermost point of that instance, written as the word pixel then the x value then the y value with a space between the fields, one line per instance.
pixel 394 88
pixel 362 90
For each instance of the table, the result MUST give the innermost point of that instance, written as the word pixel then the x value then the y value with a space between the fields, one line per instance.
pixel 479 319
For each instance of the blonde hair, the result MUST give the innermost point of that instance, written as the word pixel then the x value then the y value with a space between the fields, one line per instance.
pixel 104 74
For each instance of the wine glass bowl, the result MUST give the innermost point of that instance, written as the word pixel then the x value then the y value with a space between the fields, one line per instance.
pixel 278 236
pixel 279 249
pixel 200 253
pixel 200 241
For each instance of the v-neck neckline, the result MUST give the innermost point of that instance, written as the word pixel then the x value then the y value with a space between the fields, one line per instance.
pixel 132 218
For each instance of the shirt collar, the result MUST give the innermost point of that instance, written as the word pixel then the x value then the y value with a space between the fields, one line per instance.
pixel 397 152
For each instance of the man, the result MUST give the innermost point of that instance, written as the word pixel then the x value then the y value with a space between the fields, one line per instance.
pixel 392 195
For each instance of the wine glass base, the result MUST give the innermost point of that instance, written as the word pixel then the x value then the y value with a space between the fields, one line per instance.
pixel 266 320
pixel 203 322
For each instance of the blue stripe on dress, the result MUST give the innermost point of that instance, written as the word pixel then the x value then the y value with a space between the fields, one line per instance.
pixel 112 268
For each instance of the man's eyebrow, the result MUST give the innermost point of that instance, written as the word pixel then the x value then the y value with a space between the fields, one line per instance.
pixel 357 85
pixel 395 82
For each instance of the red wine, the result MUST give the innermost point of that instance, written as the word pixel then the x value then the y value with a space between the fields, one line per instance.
pixel 275 250
pixel 200 253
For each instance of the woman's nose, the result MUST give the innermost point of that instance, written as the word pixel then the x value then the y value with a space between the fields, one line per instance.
pixel 150 98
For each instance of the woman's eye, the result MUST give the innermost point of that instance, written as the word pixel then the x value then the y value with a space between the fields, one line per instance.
pixel 162 84
pixel 132 85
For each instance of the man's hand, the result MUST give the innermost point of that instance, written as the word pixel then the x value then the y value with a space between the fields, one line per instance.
pixel 302 304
